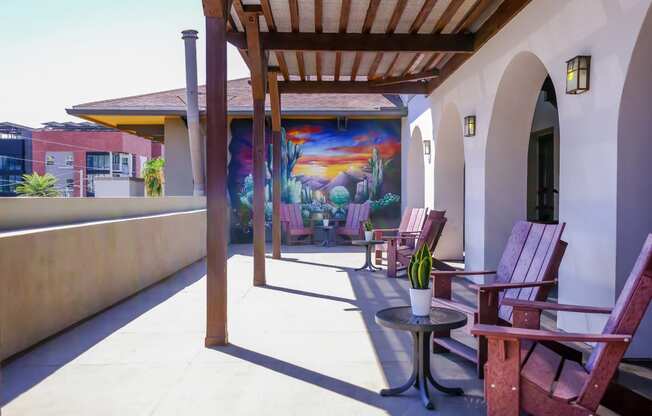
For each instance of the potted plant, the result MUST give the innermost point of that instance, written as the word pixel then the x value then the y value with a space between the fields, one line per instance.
pixel 368 230
pixel 419 275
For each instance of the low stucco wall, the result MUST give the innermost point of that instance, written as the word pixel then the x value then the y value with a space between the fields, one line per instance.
pixel 53 277
pixel 20 213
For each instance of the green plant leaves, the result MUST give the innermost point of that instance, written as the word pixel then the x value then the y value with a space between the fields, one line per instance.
pixel 420 268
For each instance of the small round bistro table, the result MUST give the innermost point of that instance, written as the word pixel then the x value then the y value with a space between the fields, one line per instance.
pixel 328 230
pixel 367 262
pixel 421 328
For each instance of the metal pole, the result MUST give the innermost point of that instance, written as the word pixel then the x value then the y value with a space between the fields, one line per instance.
pixel 192 112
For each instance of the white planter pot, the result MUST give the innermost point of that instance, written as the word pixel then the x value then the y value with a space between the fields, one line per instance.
pixel 325 223
pixel 368 235
pixel 420 300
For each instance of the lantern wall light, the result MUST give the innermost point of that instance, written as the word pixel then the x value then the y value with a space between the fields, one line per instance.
pixel 469 126
pixel 427 150
pixel 578 74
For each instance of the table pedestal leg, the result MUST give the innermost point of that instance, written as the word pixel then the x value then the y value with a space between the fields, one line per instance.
pixel 421 374
pixel 367 262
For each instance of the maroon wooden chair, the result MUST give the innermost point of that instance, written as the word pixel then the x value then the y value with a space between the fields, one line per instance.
pixel 409 228
pixel 522 373
pixel 292 224
pixel 398 256
pixel 357 214
pixel 527 270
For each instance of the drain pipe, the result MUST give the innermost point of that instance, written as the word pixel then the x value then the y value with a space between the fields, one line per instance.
pixel 192 113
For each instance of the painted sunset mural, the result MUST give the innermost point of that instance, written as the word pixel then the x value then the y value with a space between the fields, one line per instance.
pixel 323 168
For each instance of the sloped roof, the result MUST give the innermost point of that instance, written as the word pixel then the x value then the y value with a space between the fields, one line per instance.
pixel 172 102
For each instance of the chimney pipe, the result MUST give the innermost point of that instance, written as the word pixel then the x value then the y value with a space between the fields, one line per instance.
pixel 192 112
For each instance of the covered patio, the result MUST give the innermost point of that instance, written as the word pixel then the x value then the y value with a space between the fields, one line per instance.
pixel 304 344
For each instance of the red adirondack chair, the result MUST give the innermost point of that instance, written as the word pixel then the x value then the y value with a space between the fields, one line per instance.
pixel 356 215
pixel 527 270
pixel 292 224
pixel 409 228
pixel 398 256
pixel 542 382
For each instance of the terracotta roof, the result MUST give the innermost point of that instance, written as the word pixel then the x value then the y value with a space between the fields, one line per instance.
pixel 240 103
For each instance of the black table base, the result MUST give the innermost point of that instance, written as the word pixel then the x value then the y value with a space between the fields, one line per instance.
pixel 421 375
pixel 369 244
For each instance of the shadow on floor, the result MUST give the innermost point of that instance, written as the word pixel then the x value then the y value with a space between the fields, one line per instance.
pixel 58 350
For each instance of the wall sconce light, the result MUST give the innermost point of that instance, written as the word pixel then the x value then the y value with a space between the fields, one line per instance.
pixel 469 126
pixel 578 74
pixel 427 151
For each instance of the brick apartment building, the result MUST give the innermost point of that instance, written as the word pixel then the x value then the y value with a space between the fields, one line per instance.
pixel 77 153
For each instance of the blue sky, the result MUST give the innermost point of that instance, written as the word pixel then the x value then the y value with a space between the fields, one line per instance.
pixel 58 53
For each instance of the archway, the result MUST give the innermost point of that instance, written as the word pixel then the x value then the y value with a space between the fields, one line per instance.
pixel 507 150
pixel 634 209
pixel 413 189
pixel 449 182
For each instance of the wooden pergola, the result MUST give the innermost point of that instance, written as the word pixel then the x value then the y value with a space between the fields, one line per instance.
pixel 315 46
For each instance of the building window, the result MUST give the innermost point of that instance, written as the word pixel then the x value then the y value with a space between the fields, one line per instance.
pixel 49 160
pixel 70 187
pixel 69 160
pixel 11 164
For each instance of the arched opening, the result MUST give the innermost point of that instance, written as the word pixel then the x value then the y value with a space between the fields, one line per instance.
pixel 634 209
pixel 449 182
pixel 522 160
pixel 415 171
pixel 543 158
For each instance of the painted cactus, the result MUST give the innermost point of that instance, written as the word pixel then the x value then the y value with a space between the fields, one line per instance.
pixel 420 268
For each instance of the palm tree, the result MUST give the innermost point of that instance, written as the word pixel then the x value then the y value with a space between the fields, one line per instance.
pixel 37 185
pixel 154 177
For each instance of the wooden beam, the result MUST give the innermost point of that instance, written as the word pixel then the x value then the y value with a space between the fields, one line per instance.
pixel 319 28
pixel 258 88
pixel 271 27
pixel 349 87
pixel 344 22
pixel 366 28
pixel 464 25
pixel 275 102
pixel 419 20
pixel 505 12
pixel 216 8
pixel 372 42
pixel 421 76
pixel 216 174
pixel 443 21
pixel 294 22
pixel 373 68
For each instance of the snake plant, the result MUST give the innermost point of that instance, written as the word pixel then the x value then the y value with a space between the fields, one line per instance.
pixel 420 268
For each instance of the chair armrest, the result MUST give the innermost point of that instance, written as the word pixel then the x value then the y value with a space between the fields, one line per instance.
pixel 461 273
pixel 527 304
pixel 494 331
pixel 505 286
pixel 386 230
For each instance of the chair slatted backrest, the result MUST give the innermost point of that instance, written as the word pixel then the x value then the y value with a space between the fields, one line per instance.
pixel 533 254
pixel 625 318
pixel 291 213
pixel 357 214
pixel 431 231
pixel 413 220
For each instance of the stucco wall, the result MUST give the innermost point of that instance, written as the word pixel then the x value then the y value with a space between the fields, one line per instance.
pixel 54 277
pixel 551 32
pixel 178 169
pixel 21 213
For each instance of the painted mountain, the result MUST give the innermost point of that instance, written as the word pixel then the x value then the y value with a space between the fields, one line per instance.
pixel 323 169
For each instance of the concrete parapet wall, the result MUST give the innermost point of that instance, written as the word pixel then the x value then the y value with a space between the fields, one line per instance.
pixel 54 277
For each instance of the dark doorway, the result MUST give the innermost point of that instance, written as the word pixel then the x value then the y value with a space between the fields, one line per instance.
pixel 543 158
pixel 545 197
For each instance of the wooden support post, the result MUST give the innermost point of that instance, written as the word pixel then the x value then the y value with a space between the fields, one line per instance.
pixel 216 158
pixel 275 100
pixel 258 68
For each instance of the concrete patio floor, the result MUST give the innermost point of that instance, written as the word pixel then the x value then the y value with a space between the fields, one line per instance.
pixel 305 344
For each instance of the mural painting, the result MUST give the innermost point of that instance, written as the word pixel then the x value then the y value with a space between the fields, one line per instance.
pixel 323 168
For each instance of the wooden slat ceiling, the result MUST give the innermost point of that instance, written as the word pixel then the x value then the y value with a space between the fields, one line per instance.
pixel 456 20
